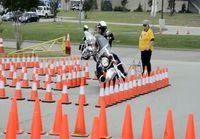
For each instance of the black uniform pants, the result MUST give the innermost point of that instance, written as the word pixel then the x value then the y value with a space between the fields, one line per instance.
pixel 146 58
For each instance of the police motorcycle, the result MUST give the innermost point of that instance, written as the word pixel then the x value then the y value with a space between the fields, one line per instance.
pixel 108 65
pixel 86 46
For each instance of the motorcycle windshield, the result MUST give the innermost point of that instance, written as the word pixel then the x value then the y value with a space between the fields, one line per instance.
pixel 89 37
pixel 102 42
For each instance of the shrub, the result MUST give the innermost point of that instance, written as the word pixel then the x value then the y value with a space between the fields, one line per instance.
pixel 139 9
pixel 106 5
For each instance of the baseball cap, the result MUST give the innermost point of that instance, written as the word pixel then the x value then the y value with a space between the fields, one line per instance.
pixel 145 22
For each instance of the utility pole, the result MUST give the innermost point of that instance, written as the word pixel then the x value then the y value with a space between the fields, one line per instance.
pixel 162 20
pixel 81 10
pixel 162 9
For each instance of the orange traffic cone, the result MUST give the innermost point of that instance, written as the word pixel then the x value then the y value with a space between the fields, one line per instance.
pixel 190 130
pixel 101 95
pixel 169 127
pixel 48 95
pixel 58 120
pixel 82 97
pixel 25 82
pixel 37 118
pixel 95 129
pixel 121 91
pixel 36 63
pixel 127 131
pixel 14 79
pixel 47 81
pixel 112 96
pixel 69 80
pixel 68 46
pixel 1 45
pixel 107 94
pixel 147 126
pixel 35 131
pixel 58 83
pixel 10 76
pixel 80 129
pixel 116 92
pixel 2 89
pixel 15 113
pixel 15 116
pixel 18 91
pixel 11 131
pixel 103 122
pixel 19 62
pixel 65 96
pixel 74 83
pixel 7 62
pixel 64 134
pixel 87 74
pixel 34 92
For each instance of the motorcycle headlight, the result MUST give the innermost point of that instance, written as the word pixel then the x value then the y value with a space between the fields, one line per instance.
pixel 105 61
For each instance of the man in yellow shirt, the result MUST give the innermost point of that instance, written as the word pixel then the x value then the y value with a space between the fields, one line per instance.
pixel 146 41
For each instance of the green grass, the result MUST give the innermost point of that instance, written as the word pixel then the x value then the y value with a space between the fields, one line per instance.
pixel 124 35
pixel 186 19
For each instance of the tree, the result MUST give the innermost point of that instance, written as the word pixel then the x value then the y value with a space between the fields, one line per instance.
pixel 16 6
pixel 54 8
pixel 124 2
pixel 171 6
pixel 106 5
pixel 89 5
pixel 150 3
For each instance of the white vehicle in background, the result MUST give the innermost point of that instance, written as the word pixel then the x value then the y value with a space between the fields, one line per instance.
pixel 44 11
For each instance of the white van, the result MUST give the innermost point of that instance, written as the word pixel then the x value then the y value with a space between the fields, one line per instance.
pixel 44 11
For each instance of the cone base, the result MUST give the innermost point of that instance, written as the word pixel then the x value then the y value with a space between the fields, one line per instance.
pixel 78 135
pixel 26 87
pixel 86 104
pixel 4 97
pixel 41 133
pixel 54 133
pixel 66 103
pixel 19 98
pixel 17 132
pixel 98 106
pixel 57 89
pixel 107 137
pixel 46 101
pixel 12 86
pixel 20 131
pixel 32 100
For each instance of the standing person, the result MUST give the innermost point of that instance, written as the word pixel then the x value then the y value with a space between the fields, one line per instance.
pixel 146 41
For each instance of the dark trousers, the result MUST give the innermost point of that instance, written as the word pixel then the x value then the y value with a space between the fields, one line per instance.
pixel 146 57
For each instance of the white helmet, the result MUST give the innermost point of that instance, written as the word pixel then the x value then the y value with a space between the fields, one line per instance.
pixel 102 26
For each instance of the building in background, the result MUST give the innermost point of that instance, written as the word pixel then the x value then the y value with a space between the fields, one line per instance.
pixel 194 5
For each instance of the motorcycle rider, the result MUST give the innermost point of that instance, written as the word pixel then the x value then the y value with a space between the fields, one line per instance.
pixel 85 28
pixel 102 29
pixel 100 71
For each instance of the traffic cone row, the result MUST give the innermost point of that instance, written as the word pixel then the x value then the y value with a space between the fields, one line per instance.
pixel 75 78
pixel 128 88
pixel 100 127
pixel 28 62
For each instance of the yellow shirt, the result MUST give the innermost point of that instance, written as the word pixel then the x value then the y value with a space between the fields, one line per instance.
pixel 145 39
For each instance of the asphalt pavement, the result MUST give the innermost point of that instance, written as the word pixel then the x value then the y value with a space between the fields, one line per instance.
pixel 182 97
